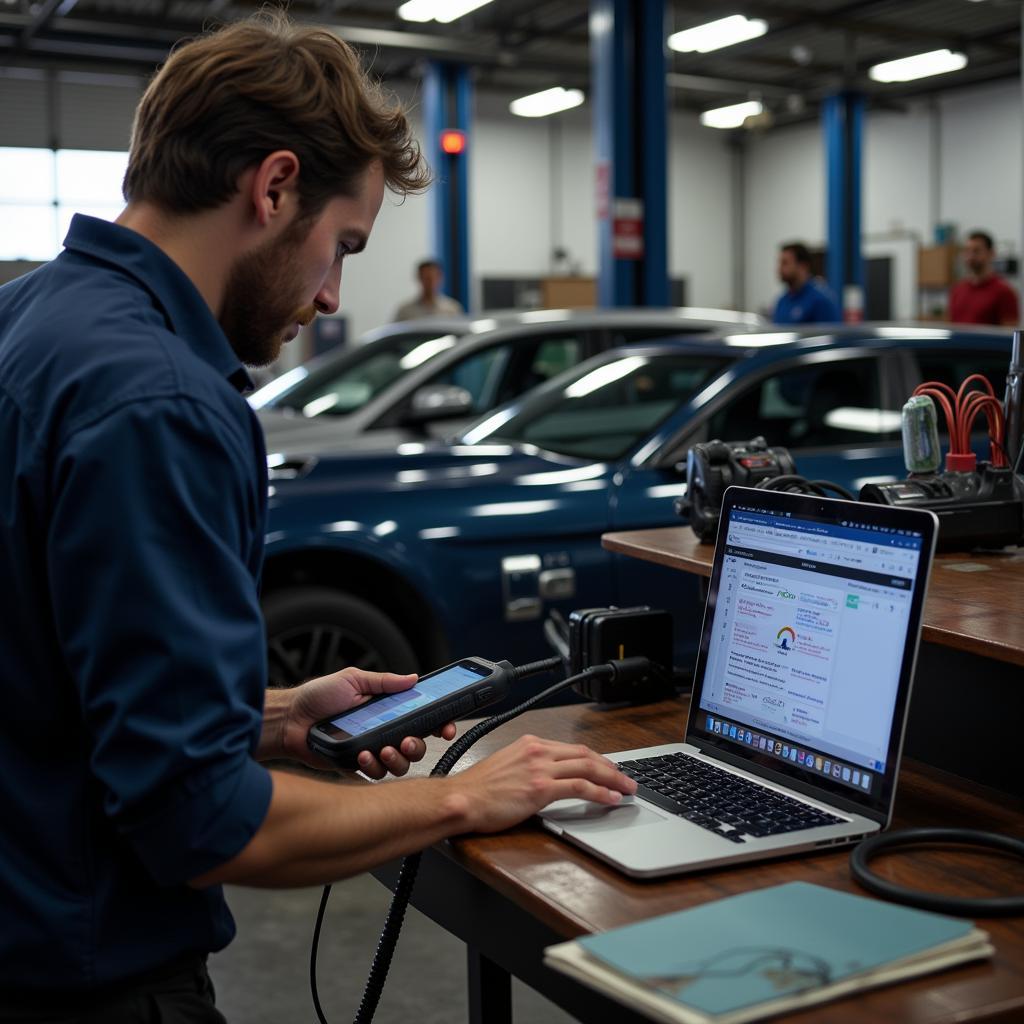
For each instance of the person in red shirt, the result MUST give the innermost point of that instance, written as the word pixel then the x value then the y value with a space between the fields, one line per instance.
pixel 982 297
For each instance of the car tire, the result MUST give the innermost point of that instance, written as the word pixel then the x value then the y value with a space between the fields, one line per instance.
pixel 312 631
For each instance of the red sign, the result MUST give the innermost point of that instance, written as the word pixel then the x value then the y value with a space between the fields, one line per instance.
pixel 628 229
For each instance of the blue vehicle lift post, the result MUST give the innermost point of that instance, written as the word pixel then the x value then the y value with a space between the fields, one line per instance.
pixel 447 106
pixel 842 119
pixel 629 96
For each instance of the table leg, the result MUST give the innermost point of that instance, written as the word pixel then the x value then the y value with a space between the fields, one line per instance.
pixel 490 990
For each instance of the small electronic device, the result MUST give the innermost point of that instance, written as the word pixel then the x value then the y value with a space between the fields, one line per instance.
pixel 982 509
pixel 597 635
pixel 713 466
pixel 453 692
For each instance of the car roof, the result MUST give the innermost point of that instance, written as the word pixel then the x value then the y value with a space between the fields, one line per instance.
pixel 618 317
pixel 804 337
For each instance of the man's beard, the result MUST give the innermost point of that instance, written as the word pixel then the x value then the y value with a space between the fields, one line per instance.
pixel 261 300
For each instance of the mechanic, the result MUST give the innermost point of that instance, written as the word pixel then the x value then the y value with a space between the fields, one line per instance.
pixel 132 650
pixel 982 297
pixel 430 301
pixel 807 299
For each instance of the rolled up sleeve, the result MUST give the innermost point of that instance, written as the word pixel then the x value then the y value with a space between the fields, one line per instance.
pixel 156 510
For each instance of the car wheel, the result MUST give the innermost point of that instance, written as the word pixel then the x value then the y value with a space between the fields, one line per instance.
pixel 312 631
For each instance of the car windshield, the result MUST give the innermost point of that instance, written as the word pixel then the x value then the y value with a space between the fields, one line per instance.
pixel 342 386
pixel 607 409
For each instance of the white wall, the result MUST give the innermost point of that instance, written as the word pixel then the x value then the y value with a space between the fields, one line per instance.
pixel 785 200
pixel 981 161
pixel 956 160
pixel 701 212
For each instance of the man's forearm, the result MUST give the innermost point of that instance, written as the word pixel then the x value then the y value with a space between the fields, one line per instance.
pixel 317 832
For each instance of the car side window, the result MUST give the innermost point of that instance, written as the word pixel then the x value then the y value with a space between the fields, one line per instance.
pixel 477 373
pixel 532 363
pixel 810 406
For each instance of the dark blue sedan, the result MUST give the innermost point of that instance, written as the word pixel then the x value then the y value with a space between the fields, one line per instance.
pixel 412 557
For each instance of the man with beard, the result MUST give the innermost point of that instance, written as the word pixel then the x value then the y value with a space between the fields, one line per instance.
pixel 132 513
pixel 982 297
pixel 807 299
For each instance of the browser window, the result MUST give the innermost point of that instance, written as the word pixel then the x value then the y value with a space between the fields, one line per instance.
pixel 808 639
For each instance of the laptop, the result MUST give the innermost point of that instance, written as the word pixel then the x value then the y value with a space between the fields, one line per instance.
pixel 800 693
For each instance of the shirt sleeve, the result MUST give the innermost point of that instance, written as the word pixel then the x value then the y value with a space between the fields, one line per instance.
pixel 153 511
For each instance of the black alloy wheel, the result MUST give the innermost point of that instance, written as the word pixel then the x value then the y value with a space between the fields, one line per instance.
pixel 312 631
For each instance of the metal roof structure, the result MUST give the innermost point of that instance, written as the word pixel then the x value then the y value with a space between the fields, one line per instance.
pixel 811 47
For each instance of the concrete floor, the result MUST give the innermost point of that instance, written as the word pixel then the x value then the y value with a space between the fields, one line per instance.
pixel 263 976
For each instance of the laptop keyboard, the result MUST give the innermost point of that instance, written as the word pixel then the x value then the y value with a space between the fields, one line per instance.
pixel 729 805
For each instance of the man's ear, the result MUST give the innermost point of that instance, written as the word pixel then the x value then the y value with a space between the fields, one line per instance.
pixel 273 189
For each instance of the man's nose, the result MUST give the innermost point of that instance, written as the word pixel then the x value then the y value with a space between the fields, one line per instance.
pixel 329 297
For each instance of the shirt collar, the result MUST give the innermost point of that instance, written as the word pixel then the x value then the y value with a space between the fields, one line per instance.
pixel 187 313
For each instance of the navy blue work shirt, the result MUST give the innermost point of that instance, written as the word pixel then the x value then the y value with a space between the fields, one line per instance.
pixel 132 658
pixel 813 303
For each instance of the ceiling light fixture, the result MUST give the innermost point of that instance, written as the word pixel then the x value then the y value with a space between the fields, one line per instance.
pixel 550 101
pixel 443 11
pixel 921 65
pixel 716 34
pixel 732 116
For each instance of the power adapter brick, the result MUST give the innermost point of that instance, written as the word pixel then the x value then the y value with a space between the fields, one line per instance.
pixel 597 635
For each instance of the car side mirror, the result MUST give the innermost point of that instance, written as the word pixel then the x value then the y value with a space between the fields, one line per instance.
pixel 439 402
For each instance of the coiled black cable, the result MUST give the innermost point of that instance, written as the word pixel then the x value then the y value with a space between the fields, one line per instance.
pixel 796 484
pixel 410 865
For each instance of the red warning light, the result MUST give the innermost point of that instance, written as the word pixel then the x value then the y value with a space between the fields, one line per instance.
pixel 453 142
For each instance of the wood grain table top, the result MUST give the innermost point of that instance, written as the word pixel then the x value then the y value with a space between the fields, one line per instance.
pixel 574 894
pixel 975 601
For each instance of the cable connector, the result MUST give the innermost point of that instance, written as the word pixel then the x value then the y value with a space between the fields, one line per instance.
pixel 630 671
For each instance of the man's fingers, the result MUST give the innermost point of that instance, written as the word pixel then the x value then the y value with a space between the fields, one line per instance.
pixel 595 769
pixel 582 789
pixel 413 748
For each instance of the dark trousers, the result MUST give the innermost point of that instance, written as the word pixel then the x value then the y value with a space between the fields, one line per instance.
pixel 180 994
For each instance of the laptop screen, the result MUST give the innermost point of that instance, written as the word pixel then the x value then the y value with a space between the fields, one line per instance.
pixel 809 636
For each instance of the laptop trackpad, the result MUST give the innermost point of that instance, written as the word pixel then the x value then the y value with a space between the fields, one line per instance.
pixel 585 817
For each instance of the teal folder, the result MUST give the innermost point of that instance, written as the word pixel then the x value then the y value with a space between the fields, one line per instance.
pixel 752 955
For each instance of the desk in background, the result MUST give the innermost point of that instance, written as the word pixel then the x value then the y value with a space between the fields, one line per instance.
pixel 508 896
pixel 967 706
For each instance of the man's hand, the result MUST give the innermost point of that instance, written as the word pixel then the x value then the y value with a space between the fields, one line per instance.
pixel 529 774
pixel 291 713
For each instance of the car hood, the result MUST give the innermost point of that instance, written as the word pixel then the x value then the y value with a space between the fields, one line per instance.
pixel 423 487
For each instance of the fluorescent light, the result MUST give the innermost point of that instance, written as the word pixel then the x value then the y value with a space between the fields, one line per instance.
pixel 921 65
pixel 716 34
pixel 760 340
pixel 438 10
pixel 867 421
pixel 732 116
pixel 550 101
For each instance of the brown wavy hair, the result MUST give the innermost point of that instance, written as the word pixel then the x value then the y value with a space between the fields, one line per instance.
pixel 224 101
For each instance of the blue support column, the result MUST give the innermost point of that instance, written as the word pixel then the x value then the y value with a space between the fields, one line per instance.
pixel 843 126
pixel 627 45
pixel 447 106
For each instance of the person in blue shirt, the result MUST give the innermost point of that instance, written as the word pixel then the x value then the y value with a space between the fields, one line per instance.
pixel 807 299
pixel 132 515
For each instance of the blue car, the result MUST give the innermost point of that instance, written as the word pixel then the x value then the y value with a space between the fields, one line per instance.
pixel 410 557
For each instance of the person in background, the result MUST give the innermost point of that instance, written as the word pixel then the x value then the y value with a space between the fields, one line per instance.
pixel 431 301
pixel 982 297
pixel 807 299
